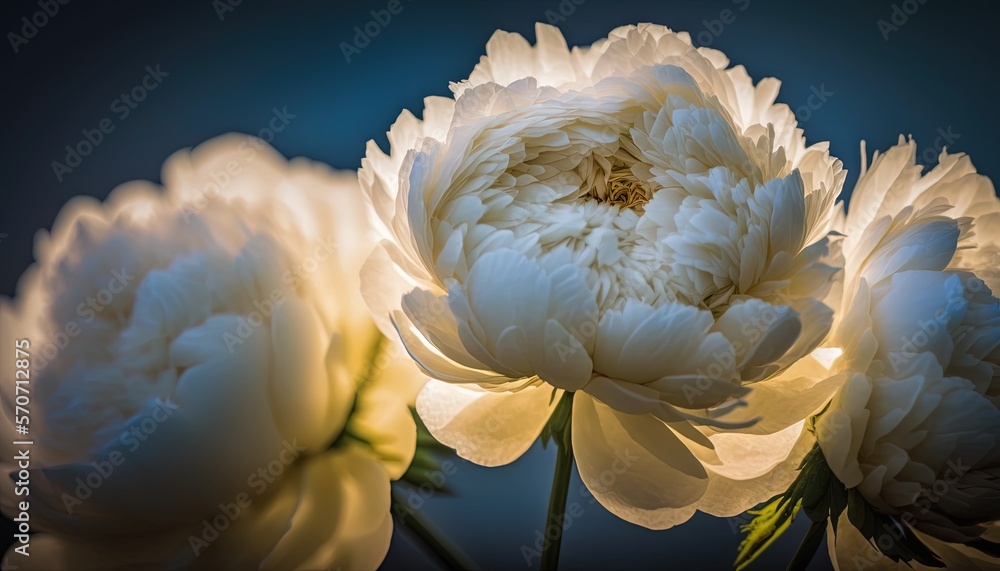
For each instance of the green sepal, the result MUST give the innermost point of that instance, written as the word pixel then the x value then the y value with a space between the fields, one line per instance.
pixel 889 536
pixel 559 419
pixel 818 493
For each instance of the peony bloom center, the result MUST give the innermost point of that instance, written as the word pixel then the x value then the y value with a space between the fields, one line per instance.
pixel 616 184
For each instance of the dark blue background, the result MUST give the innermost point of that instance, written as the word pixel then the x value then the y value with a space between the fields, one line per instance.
pixel 937 71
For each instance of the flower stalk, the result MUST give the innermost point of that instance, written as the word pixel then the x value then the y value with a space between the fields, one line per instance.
pixel 560 430
pixel 423 530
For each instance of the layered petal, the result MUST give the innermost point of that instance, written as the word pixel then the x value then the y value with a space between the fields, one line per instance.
pixel 635 465
pixel 216 394
pixel 633 221
pixel 488 428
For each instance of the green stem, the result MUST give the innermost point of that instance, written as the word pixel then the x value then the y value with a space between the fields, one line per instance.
pixel 447 553
pixel 809 546
pixel 562 435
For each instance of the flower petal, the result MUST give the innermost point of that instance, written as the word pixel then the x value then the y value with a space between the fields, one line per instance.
pixel 300 385
pixel 757 468
pixel 641 343
pixel 522 321
pixel 203 412
pixel 488 428
pixel 635 465
pixel 760 333
pixel 342 519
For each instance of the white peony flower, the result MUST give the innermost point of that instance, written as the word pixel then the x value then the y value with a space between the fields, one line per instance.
pixel 634 222
pixel 892 202
pixel 915 430
pixel 207 387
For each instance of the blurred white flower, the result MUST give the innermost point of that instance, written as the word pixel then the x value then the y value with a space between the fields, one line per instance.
pixel 208 390
pixel 915 430
pixel 632 221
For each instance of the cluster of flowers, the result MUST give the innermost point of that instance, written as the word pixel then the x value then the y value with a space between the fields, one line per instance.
pixel 632 231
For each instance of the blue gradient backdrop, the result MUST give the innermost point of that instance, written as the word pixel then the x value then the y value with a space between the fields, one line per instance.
pixel 936 72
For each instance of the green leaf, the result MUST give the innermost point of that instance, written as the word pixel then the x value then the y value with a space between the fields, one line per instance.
pixel 823 498
pixel 888 535
pixel 838 503
pixel 857 512
pixel 807 549
pixel 770 522
pixel 809 492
